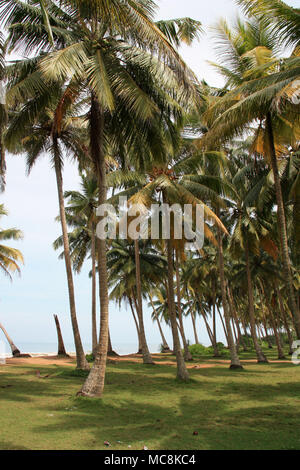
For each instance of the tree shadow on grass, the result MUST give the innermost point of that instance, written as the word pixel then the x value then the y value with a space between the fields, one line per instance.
pixel 146 405
pixel 6 445
pixel 220 425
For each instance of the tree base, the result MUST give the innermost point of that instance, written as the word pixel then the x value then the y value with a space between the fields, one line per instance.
pixel 112 354
pixel 88 395
pixel 236 367
pixel 21 356
pixel 262 361
pixel 166 351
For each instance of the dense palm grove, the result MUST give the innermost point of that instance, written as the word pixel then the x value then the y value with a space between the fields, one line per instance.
pixel 102 83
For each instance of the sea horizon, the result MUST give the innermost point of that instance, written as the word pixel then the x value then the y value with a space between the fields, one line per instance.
pixel 50 349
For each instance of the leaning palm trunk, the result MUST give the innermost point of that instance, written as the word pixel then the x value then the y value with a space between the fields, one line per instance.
pixel 261 358
pixel 61 346
pixel 110 350
pixel 164 341
pixel 14 350
pixel 235 361
pixel 223 325
pixel 80 356
pixel 94 384
pixel 187 354
pixel 282 228
pixel 182 372
pixel 94 311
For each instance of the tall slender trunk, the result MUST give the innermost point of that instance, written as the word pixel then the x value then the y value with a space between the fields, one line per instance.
pixel 285 321
pixel 187 354
pixel 209 331
pixel 223 325
pixel 182 372
pixel 94 290
pixel 137 326
pixel 276 334
pixel 164 341
pixel 282 228
pixel 194 327
pixel 273 322
pixel 147 359
pixel 235 361
pixel 261 358
pixel 61 346
pixel 193 316
pixel 267 334
pixel 80 355
pixel 14 350
pixel 94 384
pixel 237 323
pixel 214 314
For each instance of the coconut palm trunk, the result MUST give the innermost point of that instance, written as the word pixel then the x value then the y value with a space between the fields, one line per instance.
pixel 270 346
pixel 94 289
pixel 223 325
pixel 61 346
pixel 285 321
pixel 187 354
pixel 163 338
pixel 110 351
pixel 136 325
pixel 214 313
pixel 235 361
pixel 276 334
pixel 210 332
pixel 14 350
pixel 80 355
pixel 261 358
pixel 282 227
pixel 194 327
pixel 182 373
pixel 147 359
pixel 94 384
pixel 235 319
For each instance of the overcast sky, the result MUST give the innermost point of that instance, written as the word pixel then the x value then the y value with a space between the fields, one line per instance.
pixel 28 304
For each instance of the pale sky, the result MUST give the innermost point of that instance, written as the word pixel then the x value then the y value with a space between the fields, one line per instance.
pixel 27 305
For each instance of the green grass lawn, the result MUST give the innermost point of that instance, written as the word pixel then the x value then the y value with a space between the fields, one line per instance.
pixel 258 408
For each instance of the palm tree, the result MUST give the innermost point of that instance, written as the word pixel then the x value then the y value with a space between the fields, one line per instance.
pixel 10 259
pixel 170 182
pixel 56 129
pixel 123 279
pixel 283 19
pixel 81 216
pixel 155 316
pixel 3 116
pixel 116 51
pixel 264 83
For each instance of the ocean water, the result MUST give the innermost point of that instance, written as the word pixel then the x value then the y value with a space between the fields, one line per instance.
pixel 45 349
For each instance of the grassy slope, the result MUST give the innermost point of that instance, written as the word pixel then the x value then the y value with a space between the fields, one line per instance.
pixel 143 405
